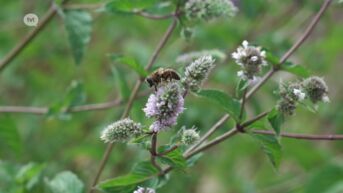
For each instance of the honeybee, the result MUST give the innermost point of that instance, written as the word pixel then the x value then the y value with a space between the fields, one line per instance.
pixel 161 75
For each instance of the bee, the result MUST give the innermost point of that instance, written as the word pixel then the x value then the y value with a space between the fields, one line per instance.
pixel 161 75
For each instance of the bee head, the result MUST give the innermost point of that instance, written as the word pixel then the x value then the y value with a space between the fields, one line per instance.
pixel 150 81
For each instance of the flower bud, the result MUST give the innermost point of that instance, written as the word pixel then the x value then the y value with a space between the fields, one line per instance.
pixel 190 136
pixel 316 89
pixel 121 131
pixel 293 91
pixel 286 106
pixel 197 72
pixel 250 58
pixel 209 9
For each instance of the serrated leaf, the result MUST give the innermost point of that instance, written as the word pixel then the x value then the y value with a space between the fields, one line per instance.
pixel 295 69
pixel 130 62
pixel 75 96
pixel 128 6
pixel 140 173
pixel 121 82
pixel 276 119
pixel 65 182
pixel 10 141
pixel 229 104
pixel 78 24
pixel 174 159
pixel 271 147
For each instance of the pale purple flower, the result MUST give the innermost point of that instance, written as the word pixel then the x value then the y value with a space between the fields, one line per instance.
pixel 165 106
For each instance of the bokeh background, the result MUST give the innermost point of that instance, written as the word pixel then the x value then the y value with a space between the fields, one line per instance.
pixel 41 75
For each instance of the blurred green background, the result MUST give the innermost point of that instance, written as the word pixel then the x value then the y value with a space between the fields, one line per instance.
pixel 41 75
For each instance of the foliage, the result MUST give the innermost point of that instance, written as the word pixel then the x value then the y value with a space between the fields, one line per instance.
pixel 114 41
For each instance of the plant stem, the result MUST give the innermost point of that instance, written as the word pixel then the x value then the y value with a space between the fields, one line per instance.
pixel 168 151
pixel 134 92
pixel 153 151
pixel 73 109
pixel 30 36
pixel 270 73
pixel 188 154
pixel 242 104
pixel 215 141
pixel 253 120
pixel 208 133
pixel 302 136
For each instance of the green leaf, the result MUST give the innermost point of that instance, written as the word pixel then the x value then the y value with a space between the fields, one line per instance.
pixel 336 188
pixel 78 24
pixel 229 104
pixel 276 119
pixel 271 147
pixel 128 6
pixel 65 182
pixel 295 69
pixel 272 59
pixel 194 159
pixel 131 63
pixel 309 106
pixel 119 76
pixel 262 123
pixel 174 159
pixel 240 87
pixel 75 96
pixel 10 142
pixel 325 179
pixel 29 175
pixel 140 173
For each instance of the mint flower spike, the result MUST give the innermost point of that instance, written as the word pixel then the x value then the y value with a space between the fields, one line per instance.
pixel 316 89
pixel 209 9
pixel 165 106
pixel 290 94
pixel 190 136
pixel 197 72
pixel 286 106
pixel 293 91
pixel 250 58
pixel 121 131
pixel 144 190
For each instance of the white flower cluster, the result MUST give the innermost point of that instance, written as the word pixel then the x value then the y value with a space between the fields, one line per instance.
pixel 209 9
pixel 313 88
pixel 197 72
pixel 121 131
pixel 316 89
pixel 299 94
pixel 290 95
pixel 250 58
pixel 144 190
pixel 190 136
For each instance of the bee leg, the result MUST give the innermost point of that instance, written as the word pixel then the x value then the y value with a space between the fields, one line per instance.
pixel 155 88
